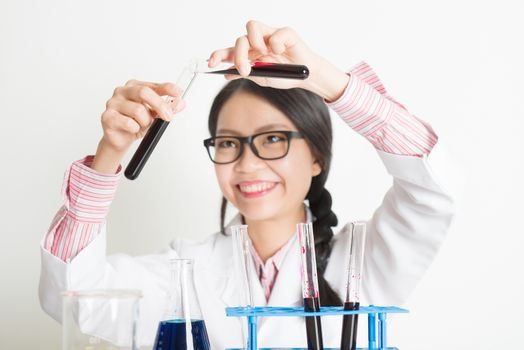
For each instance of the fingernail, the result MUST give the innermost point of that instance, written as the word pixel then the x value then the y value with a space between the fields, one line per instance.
pixel 179 106
pixel 246 69
pixel 170 114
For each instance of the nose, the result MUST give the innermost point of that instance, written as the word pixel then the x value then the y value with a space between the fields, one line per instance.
pixel 248 161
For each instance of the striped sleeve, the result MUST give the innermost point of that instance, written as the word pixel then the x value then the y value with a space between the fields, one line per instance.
pixel 87 195
pixel 366 107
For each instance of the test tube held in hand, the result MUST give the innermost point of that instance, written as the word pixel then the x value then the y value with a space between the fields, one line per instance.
pixel 310 285
pixel 357 241
pixel 270 70
pixel 157 128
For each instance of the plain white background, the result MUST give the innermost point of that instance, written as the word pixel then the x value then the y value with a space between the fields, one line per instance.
pixel 456 64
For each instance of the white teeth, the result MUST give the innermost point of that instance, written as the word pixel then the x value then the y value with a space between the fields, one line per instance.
pixel 258 187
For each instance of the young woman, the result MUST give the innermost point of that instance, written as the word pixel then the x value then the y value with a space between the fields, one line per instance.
pixel 271 147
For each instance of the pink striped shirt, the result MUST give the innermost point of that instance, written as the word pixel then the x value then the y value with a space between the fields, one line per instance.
pixel 364 106
pixel 367 108
pixel 87 197
pixel 267 272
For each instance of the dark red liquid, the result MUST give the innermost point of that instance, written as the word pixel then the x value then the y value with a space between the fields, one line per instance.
pixel 171 335
pixel 349 327
pixel 313 325
pixel 272 70
pixel 146 147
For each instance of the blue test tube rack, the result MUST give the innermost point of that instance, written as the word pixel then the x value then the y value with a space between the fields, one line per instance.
pixel 377 315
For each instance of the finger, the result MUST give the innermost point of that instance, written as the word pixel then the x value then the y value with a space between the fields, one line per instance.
pixel 265 30
pixel 137 111
pixel 232 77
pixel 161 89
pixel 241 56
pixel 256 36
pixel 146 95
pixel 168 89
pixel 282 40
pixel 173 96
pixel 219 56
pixel 177 104
pixel 112 120
pixel 227 55
pixel 134 82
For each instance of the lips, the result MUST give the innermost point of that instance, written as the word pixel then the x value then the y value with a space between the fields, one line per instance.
pixel 255 188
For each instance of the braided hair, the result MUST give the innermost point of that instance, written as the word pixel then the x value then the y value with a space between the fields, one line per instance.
pixel 310 115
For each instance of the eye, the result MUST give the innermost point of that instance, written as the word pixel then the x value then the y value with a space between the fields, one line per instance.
pixel 274 138
pixel 226 143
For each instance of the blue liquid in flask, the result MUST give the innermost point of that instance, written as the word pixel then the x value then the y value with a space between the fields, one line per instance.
pixel 171 335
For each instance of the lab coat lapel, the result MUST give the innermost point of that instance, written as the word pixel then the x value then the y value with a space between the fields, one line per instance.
pixel 212 281
pixel 230 293
pixel 287 290
pixel 259 297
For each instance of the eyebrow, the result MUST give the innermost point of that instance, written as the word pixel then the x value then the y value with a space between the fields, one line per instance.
pixel 268 127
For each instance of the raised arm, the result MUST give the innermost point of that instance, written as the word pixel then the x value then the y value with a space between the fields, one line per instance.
pixel 73 250
pixel 406 231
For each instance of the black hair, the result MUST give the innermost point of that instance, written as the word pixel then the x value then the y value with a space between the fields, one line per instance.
pixel 310 115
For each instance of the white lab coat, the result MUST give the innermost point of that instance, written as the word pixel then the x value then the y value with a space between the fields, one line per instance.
pixel 403 238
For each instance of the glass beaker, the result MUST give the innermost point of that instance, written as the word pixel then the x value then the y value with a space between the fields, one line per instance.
pixel 100 319
pixel 182 326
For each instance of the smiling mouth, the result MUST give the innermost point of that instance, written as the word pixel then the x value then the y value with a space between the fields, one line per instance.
pixel 256 189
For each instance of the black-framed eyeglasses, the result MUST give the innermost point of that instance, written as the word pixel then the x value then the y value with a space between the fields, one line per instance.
pixel 267 145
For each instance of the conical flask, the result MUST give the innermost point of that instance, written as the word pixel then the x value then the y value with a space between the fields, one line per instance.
pixel 183 327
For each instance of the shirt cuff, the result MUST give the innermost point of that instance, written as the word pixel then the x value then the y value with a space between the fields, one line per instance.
pixel 87 193
pixel 367 109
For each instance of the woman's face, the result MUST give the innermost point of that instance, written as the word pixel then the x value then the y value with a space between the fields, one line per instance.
pixel 263 189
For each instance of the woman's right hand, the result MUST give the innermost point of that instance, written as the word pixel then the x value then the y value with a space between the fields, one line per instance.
pixel 128 115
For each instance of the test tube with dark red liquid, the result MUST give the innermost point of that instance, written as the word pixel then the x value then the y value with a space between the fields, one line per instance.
pixel 157 128
pixel 310 285
pixel 270 70
pixel 354 277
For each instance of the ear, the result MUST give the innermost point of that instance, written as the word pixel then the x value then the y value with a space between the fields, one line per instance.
pixel 316 168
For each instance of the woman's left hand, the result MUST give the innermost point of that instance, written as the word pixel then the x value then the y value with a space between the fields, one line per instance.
pixel 263 43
